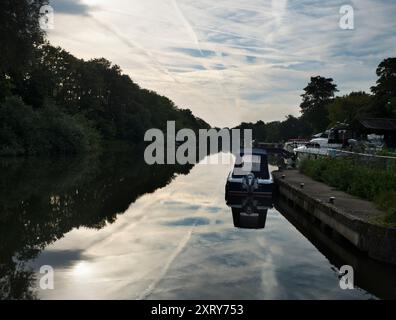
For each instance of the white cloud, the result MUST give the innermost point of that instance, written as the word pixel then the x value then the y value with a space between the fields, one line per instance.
pixel 232 60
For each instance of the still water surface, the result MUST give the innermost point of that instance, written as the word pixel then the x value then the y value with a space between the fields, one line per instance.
pixel 122 230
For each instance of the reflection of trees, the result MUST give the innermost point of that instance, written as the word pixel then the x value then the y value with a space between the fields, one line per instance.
pixel 41 200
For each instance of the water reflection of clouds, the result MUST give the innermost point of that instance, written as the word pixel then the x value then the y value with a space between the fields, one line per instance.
pixel 189 222
pixel 139 242
pixel 180 242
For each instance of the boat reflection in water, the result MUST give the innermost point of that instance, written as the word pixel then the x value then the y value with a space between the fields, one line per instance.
pixel 249 193
pixel 249 212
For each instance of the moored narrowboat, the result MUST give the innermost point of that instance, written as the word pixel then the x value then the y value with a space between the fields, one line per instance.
pixel 250 175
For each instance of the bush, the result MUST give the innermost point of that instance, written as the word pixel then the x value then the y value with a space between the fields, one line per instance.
pixel 18 126
pixel 24 131
pixel 374 184
pixel 387 202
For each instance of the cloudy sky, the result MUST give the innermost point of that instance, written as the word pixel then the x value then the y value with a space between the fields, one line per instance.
pixel 231 60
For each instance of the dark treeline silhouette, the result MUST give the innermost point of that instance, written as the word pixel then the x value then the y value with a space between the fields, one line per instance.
pixel 54 103
pixel 320 109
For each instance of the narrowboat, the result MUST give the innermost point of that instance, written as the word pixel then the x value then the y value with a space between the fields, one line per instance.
pixel 250 175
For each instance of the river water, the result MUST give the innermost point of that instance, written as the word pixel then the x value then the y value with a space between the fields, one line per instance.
pixel 121 230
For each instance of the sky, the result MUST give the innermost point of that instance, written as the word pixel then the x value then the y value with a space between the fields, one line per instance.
pixel 231 60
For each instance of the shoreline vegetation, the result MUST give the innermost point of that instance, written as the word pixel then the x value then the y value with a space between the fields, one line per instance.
pixel 367 182
pixel 67 106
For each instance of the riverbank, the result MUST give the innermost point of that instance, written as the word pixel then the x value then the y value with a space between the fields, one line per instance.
pixel 351 217
pixel 367 179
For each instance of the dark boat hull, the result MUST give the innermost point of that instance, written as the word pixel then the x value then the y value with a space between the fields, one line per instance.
pixel 236 189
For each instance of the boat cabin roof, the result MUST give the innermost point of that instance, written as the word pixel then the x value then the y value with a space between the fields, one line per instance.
pixel 259 165
pixel 254 151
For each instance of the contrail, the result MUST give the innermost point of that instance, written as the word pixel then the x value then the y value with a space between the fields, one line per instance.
pixel 166 267
pixel 187 24
pixel 195 39
pixel 134 45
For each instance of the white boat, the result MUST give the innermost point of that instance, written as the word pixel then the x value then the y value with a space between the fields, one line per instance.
pixel 317 146
pixel 292 144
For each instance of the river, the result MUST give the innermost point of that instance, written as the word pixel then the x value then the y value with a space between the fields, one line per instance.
pixel 121 230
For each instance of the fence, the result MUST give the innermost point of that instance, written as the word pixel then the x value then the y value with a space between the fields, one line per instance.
pixel 371 160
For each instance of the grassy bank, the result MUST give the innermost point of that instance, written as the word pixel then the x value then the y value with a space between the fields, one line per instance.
pixel 374 184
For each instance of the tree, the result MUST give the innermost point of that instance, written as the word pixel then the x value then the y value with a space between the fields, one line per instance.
pixel 273 132
pixel 384 104
pixel 348 107
pixel 20 35
pixel 89 100
pixel 386 83
pixel 259 131
pixel 318 93
pixel 293 127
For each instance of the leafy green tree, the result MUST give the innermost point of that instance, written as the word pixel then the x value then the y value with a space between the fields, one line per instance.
pixel 346 108
pixel 25 131
pixel 318 93
pixel 260 131
pixel 384 104
pixel 18 127
pixel 293 128
pixel 386 83
pixel 273 132
pixel 20 35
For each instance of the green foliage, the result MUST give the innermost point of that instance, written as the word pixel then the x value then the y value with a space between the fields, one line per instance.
pixel 277 131
pixel 386 83
pixel 20 33
pixel 384 102
pixel 95 96
pixel 18 126
pixel 24 131
pixel 60 133
pixel 387 202
pixel 345 109
pixel 371 183
pixel 76 104
pixel 318 93
pixel 387 152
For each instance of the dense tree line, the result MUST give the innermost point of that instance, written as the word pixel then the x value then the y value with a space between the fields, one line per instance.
pixel 320 109
pixel 54 103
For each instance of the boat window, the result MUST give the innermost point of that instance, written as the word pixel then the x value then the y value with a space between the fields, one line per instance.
pixel 313 145
pixel 254 160
pixel 259 166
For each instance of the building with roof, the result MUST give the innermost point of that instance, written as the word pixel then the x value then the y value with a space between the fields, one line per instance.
pixel 380 126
